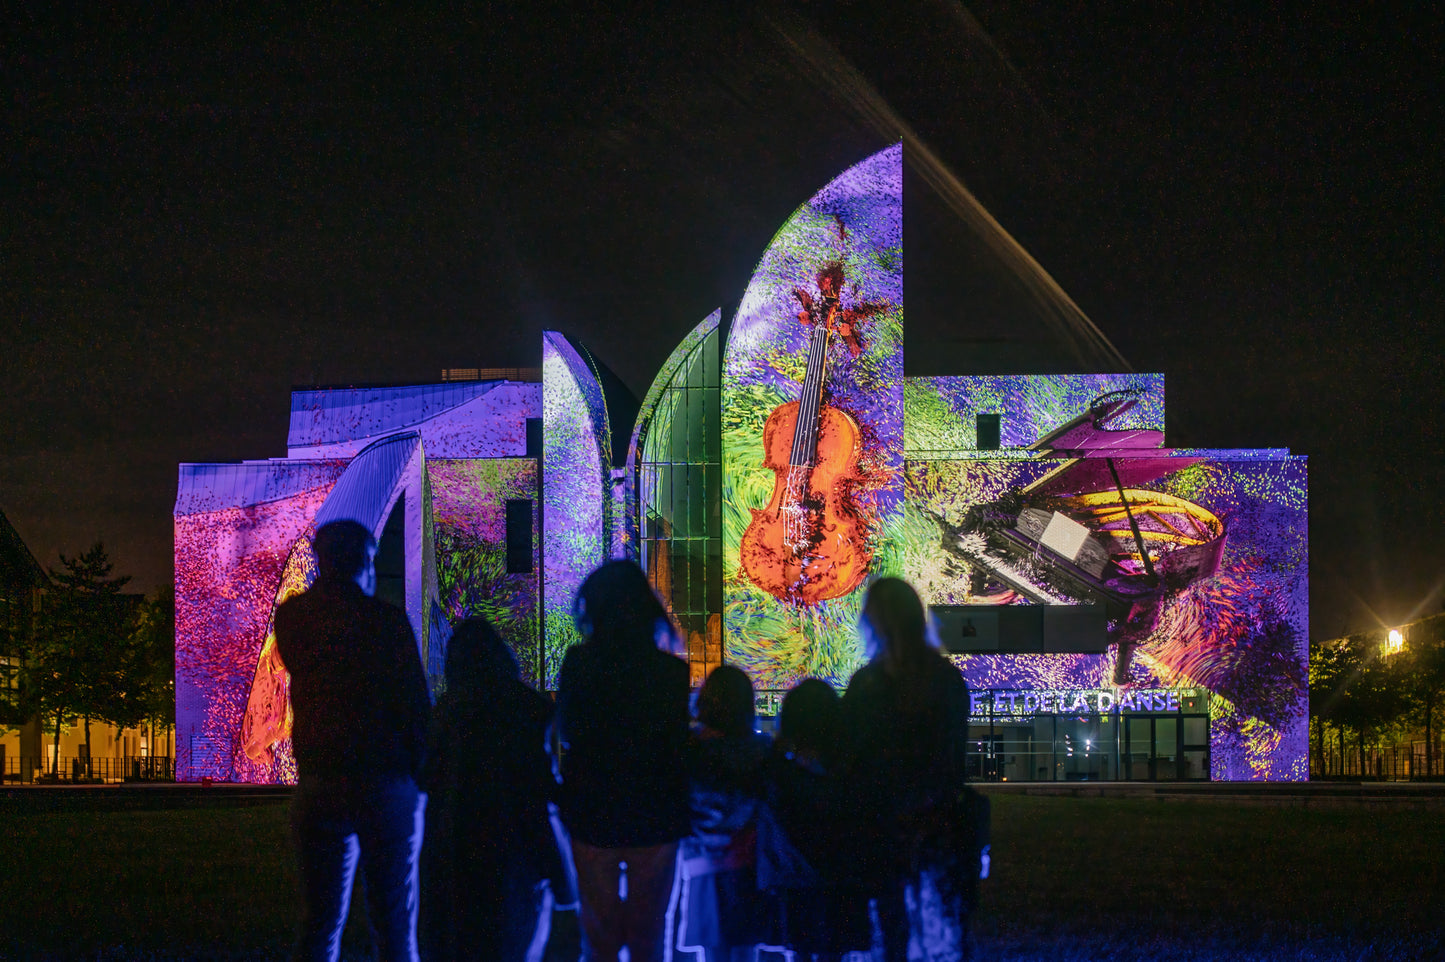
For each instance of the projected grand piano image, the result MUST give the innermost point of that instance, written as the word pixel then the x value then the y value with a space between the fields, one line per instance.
pixel 1087 534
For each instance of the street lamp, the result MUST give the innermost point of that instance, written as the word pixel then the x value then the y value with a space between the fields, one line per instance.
pixel 1395 643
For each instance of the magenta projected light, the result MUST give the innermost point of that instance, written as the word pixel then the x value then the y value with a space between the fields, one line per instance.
pixel 243 546
pixel 236 526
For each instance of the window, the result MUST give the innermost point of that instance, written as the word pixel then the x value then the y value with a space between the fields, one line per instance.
pixel 989 431
pixel 519 536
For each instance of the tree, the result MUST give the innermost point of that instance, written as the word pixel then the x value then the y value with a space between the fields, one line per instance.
pixel 75 657
pixel 145 693
pixel 1356 687
pixel 1425 677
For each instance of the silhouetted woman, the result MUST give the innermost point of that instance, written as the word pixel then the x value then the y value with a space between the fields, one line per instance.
pixel 726 757
pixel 622 717
pixel 906 717
pixel 489 844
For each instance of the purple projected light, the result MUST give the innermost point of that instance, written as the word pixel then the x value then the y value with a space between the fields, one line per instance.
pixel 470 519
pixel 812 429
pixel 940 413
pixel 575 470
pixel 468 419
pixel 242 546
pixel 1228 613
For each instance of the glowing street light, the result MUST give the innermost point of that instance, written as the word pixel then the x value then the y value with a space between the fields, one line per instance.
pixel 1395 643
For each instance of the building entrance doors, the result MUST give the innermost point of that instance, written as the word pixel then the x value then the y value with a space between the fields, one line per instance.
pixel 1165 747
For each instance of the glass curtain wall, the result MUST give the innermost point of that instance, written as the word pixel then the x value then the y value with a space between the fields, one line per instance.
pixel 680 495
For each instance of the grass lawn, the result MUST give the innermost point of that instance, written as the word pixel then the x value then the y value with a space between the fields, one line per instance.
pixel 1074 878
pixel 1097 878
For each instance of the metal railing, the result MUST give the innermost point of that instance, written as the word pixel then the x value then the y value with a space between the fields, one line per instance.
pixel 1399 763
pixel 79 770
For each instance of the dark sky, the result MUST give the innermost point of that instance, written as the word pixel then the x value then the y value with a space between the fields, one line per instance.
pixel 200 212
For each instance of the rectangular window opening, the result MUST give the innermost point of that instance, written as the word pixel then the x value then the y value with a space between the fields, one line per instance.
pixel 989 431
pixel 519 536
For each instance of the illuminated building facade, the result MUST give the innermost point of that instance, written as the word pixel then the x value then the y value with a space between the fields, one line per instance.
pixel 1121 610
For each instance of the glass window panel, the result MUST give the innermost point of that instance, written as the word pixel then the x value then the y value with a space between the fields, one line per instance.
pixel 679 577
pixel 679 503
pixel 677 451
pixel 1166 737
pixel 713 475
pixel 979 747
pixel 1196 730
pixel 696 421
pixel 1195 764
pixel 697 579
pixel 1080 754
pixel 714 575
pixel 1166 748
pixel 712 418
pixel 1019 753
pixel 1140 736
pixel 697 502
pixel 710 355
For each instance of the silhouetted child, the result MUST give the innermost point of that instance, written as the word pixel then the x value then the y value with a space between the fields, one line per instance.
pixel 723 911
pixel 803 833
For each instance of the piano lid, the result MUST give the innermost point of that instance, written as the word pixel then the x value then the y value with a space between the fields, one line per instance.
pixel 1091 473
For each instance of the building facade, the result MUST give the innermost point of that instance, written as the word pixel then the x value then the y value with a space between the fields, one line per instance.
pixel 1120 609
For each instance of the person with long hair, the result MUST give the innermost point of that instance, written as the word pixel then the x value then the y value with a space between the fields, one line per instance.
pixel 489 845
pixel 622 719
pixel 906 717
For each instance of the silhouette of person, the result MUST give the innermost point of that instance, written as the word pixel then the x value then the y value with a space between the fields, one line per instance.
pixel 622 719
pixel 489 843
pixel 905 716
pixel 805 836
pixel 724 914
pixel 360 707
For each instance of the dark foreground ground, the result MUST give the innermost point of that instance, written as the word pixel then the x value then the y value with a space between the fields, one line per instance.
pixel 164 876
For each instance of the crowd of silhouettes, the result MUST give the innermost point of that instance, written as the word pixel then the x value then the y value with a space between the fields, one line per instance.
pixel 663 827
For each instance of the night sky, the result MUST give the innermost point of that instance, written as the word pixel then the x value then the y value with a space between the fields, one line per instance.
pixel 200 213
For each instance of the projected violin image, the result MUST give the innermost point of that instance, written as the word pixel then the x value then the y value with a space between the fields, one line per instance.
pixel 811 542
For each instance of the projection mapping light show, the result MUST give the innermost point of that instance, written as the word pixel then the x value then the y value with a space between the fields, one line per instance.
pixel 812 429
pixel 1110 575
pixel 470 519
pixel 237 531
pixel 575 465
pixel 1219 599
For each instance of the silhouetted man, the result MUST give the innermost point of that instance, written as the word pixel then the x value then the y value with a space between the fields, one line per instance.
pixel 360 708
